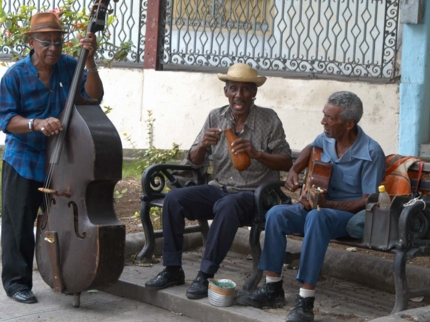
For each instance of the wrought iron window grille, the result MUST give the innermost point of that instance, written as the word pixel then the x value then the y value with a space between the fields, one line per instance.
pixel 340 39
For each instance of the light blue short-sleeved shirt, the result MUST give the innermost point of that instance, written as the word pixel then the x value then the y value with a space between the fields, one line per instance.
pixel 358 171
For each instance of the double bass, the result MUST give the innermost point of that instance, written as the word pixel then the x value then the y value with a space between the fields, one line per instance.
pixel 79 240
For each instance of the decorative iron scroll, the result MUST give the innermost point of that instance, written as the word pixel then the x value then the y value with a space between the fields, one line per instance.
pixel 317 38
pixel 130 24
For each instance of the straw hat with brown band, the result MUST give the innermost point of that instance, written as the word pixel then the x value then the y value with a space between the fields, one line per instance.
pixel 242 73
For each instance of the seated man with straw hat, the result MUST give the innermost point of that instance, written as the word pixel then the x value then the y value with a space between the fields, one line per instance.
pixel 229 198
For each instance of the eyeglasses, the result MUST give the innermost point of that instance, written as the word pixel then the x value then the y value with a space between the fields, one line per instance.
pixel 45 43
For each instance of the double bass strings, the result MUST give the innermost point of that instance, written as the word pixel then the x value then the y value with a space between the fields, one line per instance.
pixel 46 198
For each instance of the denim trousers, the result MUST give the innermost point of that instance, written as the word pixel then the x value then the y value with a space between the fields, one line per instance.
pixel 318 227
pixel 355 226
pixel 229 211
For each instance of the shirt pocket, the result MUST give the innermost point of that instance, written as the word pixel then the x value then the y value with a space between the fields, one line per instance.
pixel 351 180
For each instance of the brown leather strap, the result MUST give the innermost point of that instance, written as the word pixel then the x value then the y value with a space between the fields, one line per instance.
pixel 420 172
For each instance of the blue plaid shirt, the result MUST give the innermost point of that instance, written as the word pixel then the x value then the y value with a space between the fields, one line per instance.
pixel 22 93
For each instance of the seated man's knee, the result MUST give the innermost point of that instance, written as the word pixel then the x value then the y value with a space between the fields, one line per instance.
pixel 174 196
pixel 274 214
pixel 316 218
pixel 173 193
pixel 355 226
pixel 225 210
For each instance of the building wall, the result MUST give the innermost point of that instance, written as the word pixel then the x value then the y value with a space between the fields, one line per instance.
pixel 414 128
pixel 180 102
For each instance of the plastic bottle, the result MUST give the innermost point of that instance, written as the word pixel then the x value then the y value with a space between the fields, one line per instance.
pixel 384 200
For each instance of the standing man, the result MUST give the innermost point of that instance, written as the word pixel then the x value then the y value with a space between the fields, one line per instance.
pixel 33 92
pixel 229 198
pixel 358 167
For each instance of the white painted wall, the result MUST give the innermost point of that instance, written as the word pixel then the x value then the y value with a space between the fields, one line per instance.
pixel 180 102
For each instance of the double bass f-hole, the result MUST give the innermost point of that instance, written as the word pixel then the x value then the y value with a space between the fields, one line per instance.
pixel 76 220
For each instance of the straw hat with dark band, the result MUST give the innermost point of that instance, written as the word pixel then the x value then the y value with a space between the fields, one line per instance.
pixel 242 73
pixel 44 22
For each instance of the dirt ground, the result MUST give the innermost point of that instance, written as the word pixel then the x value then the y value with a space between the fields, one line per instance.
pixel 127 207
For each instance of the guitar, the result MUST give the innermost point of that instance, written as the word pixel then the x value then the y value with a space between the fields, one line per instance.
pixel 317 177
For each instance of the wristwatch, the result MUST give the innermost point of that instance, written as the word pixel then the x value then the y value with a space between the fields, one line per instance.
pixel 31 125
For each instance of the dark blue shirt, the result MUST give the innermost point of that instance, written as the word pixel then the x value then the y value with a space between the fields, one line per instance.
pixel 22 93
pixel 359 171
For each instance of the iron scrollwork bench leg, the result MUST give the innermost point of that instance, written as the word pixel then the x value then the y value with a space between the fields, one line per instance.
pixel 147 252
pixel 407 248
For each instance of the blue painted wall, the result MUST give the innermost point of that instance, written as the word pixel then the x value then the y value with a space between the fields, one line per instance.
pixel 414 118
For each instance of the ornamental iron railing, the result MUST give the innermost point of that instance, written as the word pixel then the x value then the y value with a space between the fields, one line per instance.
pixel 341 39
pixel 353 39
pixel 130 24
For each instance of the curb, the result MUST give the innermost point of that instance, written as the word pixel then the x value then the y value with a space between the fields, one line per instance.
pixel 418 315
pixel 371 271
pixel 135 242
pixel 368 270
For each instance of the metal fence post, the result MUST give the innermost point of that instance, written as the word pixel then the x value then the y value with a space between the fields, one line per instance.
pixel 152 39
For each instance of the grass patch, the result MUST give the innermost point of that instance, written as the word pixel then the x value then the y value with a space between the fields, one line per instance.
pixel 132 169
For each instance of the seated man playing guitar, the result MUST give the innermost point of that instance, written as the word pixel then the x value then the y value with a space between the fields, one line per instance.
pixel 358 166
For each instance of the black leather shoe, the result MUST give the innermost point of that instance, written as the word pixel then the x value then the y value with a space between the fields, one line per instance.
pixel 166 279
pixel 25 296
pixel 271 295
pixel 198 288
pixel 303 311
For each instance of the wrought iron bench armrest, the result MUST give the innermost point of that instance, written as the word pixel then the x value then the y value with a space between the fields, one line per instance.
pixel 266 196
pixel 154 181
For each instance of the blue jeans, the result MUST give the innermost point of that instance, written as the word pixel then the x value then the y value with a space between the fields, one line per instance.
pixel 355 226
pixel 318 228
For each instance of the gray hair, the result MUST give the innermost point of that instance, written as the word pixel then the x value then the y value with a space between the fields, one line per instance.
pixel 352 107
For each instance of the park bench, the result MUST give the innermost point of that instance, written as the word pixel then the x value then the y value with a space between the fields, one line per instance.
pixel 412 219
